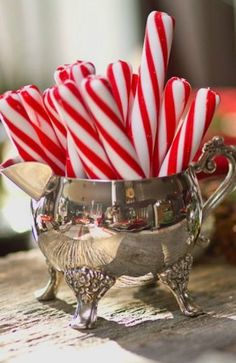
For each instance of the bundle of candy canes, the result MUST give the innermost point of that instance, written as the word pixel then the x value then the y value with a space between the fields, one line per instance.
pixel 120 126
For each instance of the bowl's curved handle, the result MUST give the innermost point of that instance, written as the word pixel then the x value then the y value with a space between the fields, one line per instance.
pixel 206 164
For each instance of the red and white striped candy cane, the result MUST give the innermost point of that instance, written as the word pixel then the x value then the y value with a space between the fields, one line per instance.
pixel 134 84
pixel 189 136
pixel 155 56
pixel 74 166
pixel 112 132
pixel 32 101
pixel 174 101
pixel 57 122
pixel 21 131
pixel 72 108
pixel 74 72
pixel 119 75
pixel 77 72
pixel 61 74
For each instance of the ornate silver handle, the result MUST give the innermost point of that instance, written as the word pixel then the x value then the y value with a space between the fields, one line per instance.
pixel 206 164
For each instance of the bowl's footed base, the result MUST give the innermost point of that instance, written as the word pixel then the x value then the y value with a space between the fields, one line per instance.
pixel 50 290
pixel 89 285
pixel 85 316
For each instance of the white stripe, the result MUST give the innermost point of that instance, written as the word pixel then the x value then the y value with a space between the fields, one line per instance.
pixel 82 134
pixel 199 120
pixel 114 130
pixel 149 96
pixel 36 118
pixel 61 137
pixel 156 51
pixel 162 133
pixel 180 149
pixel 18 120
pixel 122 88
pixel 179 98
pixel 140 139
pixel 28 149
pixel 74 102
pixel 123 168
pixel 74 157
pixel 91 166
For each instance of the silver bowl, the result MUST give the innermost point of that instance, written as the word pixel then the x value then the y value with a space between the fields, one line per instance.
pixel 94 232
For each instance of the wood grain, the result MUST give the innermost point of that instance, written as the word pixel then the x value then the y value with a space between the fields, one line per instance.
pixel 136 324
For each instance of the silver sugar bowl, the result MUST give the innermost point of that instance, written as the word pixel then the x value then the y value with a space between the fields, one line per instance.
pixel 94 232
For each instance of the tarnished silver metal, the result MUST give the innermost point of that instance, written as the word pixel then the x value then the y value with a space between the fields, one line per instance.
pixel 176 279
pixel 50 290
pixel 89 285
pixel 206 164
pixel 97 231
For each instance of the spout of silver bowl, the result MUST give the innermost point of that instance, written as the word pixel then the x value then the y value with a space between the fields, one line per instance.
pixel 31 177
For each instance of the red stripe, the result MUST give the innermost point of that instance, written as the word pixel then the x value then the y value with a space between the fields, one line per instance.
pixel 120 151
pixel 104 167
pixel 77 117
pixel 33 145
pixel 25 138
pixel 76 92
pixel 172 162
pixel 145 119
pixel 210 108
pixel 46 141
pixel 84 70
pixel 154 78
pixel 50 145
pixel 170 115
pixel 127 76
pixel 102 105
pixel 187 90
pixel 57 121
pixel 63 75
pixel 134 84
pixel 35 105
pixel 23 153
pixel 115 145
pixel 93 157
pixel 160 27
pixel 170 112
pixel 70 173
pixel 188 139
pixel 17 106
pixel 115 89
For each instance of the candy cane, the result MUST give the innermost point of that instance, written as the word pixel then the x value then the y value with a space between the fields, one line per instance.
pixel 57 122
pixel 74 166
pixel 134 84
pixel 72 108
pixel 119 148
pixel 155 56
pixel 32 101
pixel 175 98
pixel 74 72
pixel 189 136
pixel 21 131
pixel 119 75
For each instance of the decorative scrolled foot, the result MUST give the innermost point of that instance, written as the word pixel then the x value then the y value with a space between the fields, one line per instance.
pixel 49 291
pixel 176 279
pixel 89 286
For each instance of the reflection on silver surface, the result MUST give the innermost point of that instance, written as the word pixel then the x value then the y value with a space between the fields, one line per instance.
pixel 97 231
pixel 104 224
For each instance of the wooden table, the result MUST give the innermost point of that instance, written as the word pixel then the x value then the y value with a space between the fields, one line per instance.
pixel 135 324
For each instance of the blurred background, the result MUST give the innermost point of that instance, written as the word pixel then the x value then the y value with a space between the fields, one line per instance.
pixel 38 35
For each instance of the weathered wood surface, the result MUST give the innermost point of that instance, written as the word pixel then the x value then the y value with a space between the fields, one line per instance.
pixel 135 324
